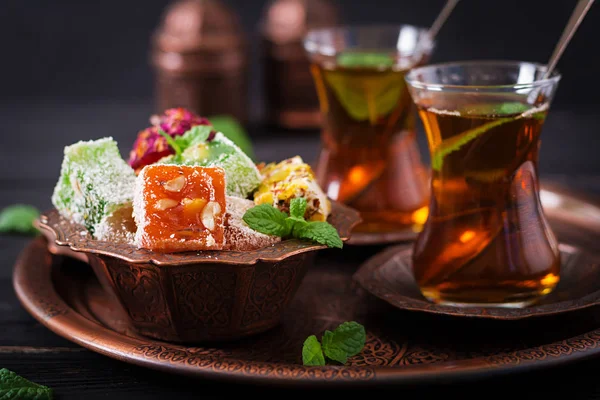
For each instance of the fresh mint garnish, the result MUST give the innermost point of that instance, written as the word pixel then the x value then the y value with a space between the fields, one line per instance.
pixel 19 218
pixel 171 141
pixel 347 340
pixel 456 142
pixel 496 109
pixel 15 387
pixel 320 232
pixel 367 97
pixel 298 207
pixel 364 59
pixel 509 110
pixel 269 220
pixel 193 137
pixel 196 135
pixel 312 353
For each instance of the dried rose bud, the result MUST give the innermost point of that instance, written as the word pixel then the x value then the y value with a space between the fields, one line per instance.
pixel 150 146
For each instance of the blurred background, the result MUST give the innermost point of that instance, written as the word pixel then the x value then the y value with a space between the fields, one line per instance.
pixel 79 70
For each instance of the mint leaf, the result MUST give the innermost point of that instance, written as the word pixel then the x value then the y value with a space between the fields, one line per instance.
pixel 345 341
pixel 456 142
pixel 14 387
pixel 312 354
pixel 320 232
pixel 496 109
pixel 364 59
pixel 298 207
pixel 368 98
pixel 171 142
pixel 267 219
pixel 193 137
pixel 19 218
pixel 230 127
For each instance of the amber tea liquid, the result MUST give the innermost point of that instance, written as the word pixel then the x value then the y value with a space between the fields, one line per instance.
pixel 486 240
pixel 369 157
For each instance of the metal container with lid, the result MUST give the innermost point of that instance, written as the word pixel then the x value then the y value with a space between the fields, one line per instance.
pixel 290 95
pixel 200 60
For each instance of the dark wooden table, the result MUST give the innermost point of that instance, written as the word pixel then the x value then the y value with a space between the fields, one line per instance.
pixel 30 152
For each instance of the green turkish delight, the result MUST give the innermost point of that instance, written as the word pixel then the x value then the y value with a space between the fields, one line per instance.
pixel 216 150
pixel 95 182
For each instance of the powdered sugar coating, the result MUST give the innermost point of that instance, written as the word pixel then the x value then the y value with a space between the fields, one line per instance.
pixel 94 182
pixel 238 235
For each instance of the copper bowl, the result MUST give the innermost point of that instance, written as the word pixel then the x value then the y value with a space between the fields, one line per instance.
pixel 198 296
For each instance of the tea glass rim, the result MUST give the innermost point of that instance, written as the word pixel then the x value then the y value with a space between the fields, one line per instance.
pixel 313 45
pixel 412 80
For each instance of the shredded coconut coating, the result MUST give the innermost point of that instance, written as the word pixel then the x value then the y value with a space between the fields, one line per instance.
pixel 94 182
pixel 238 235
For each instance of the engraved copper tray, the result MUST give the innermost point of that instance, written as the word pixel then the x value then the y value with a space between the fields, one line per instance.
pixel 402 346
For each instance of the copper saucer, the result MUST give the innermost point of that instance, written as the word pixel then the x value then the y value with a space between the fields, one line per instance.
pixel 388 275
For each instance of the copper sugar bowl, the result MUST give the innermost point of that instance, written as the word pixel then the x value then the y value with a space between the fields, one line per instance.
pixel 290 96
pixel 200 60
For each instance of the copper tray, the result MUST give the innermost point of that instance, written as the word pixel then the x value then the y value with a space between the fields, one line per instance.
pixel 402 346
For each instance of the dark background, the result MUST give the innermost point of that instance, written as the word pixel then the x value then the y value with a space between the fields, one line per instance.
pixel 79 70
pixel 73 50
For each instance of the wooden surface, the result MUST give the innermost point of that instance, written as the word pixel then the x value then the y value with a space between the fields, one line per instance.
pixel 31 150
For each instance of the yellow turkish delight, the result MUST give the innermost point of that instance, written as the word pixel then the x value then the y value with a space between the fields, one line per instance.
pixel 289 179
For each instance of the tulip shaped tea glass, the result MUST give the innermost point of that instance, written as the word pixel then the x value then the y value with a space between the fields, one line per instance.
pixel 369 157
pixel 486 240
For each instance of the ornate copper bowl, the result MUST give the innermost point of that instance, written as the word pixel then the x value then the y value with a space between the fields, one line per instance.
pixel 198 296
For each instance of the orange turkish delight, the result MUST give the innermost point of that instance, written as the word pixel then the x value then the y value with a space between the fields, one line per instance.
pixel 179 208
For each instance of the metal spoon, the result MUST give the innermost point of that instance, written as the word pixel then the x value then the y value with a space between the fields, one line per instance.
pixel 576 17
pixel 441 18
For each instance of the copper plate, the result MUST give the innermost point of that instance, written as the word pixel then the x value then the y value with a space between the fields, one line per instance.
pixel 388 275
pixel 402 346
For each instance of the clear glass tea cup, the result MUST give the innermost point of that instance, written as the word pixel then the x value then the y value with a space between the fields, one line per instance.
pixel 486 240
pixel 369 157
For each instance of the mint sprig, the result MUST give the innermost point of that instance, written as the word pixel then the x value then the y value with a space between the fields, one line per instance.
pixel 312 353
pixel 15 387
pixel 365 59
pixel 347 340
pixel 455 143
pixel 269 220
pixel 193 137
pixel 18 218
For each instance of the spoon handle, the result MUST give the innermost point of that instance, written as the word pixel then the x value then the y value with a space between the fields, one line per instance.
pixel 576 17
pixel 441 18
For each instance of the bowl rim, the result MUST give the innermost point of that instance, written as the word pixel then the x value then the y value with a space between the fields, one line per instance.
pixel 67 237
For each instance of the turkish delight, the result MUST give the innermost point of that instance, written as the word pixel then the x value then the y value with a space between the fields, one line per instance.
pixel 242 175
pixel 94 182
pixel 289 179
pixel 179 208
